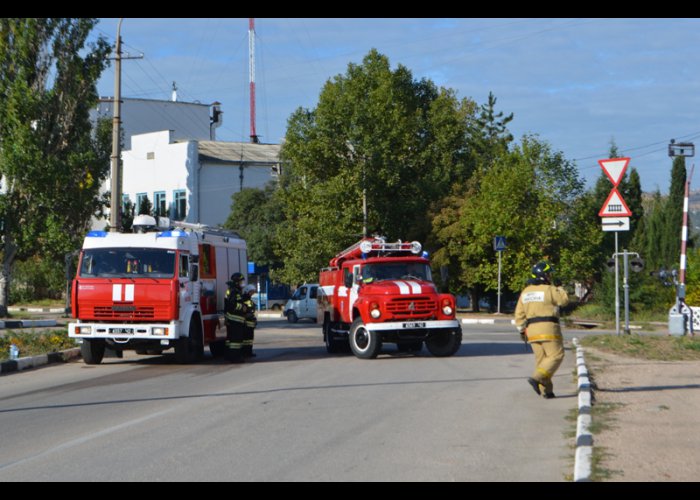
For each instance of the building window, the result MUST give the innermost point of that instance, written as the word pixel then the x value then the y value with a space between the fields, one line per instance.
pixel 125 203
pixel 140 199
pixel 179 204
pixel 160 207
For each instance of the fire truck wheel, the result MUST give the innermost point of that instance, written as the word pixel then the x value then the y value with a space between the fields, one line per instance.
pixel 333 345
pixel 444 343
pixel 364 344
pixel 191 348
pixel 92 351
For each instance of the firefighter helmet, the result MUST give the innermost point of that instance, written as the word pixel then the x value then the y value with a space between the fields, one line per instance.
pixel 237 278
pixel 249 290
pixel 541 271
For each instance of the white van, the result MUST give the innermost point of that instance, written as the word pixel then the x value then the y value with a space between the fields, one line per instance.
pixel 302 304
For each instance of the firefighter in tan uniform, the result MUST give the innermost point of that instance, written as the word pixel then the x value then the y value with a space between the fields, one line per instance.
pixel 537 320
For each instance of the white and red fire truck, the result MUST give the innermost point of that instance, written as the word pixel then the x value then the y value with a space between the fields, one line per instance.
pixel 160 288
pixel 376 292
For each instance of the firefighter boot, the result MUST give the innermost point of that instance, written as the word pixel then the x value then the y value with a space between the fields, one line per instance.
pixel 535 385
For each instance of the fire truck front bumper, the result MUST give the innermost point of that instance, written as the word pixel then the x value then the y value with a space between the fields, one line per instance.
pixel 413 325
pixel 122 332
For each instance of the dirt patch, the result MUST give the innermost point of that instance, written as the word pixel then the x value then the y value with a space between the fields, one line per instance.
pixel 652 432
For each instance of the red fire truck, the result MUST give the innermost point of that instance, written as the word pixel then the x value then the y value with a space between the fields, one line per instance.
pixel 376 292
pixel 157 289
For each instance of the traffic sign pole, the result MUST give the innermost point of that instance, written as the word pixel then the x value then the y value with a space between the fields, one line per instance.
pixel 499 244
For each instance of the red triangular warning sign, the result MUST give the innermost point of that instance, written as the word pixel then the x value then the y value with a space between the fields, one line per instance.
pixel 614 168
pixel 614 206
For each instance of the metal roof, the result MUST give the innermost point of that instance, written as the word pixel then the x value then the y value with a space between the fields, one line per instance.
pixel 239 152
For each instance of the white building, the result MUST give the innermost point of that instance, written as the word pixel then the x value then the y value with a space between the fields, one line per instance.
pixel 187 120
pixel 193 180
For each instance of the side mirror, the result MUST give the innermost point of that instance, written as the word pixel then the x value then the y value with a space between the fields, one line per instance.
pixel 194 272
pixel 348 280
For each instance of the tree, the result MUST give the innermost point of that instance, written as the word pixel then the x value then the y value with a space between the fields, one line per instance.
pixel 50 162
pixel 489 135
pixel 530 195
pixel 376 134
pixel 256 215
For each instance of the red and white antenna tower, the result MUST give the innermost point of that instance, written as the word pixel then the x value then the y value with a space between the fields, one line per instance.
pixel 251 71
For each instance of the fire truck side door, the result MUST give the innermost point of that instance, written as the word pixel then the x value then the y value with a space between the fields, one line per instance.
pixel 355 286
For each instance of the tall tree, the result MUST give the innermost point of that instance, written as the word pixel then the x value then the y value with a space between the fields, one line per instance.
pixel 379 134
pixel 51 163
pixel 671 239
pixel 256 215
pixel 489 135
pixel 530 195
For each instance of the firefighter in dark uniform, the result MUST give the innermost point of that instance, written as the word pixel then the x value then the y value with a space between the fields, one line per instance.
pixel 537 320
pixel 235 319
pixel 250 321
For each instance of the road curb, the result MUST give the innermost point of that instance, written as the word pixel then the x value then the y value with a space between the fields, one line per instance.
pixel 474 321
pixel 27 323
pixel 25 363
pixel 584 438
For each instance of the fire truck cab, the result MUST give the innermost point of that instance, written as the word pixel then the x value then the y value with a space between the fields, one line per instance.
pixel 161 288
pixel 376 292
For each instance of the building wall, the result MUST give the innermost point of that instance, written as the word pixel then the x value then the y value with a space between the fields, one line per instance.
pixel 157 164
pixel 219 182
pixel 187 120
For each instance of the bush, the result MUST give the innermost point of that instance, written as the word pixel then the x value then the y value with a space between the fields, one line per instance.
pixel 37 279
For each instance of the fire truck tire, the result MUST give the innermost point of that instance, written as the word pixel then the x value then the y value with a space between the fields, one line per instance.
pixel 92 351
pixel 444 343
pixel 333 345
pixel 364 343
pixel 191 348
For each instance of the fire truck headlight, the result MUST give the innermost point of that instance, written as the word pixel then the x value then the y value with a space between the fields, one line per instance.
pixel 83 330
pixel 159 330
pixel 374 310
pixel 447 309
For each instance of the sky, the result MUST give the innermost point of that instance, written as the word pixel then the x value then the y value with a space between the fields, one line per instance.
pixel 577 83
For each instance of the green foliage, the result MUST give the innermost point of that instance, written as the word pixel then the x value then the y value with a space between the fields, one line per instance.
pixel 51 164
pixel 32 344
pixel 377 131
pixel 37 278
pixel 256 215
pixel 529 195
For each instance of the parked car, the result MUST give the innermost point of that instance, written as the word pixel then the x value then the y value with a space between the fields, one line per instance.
pixel 302 304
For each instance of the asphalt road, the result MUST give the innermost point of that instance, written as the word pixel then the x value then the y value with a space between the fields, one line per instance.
pixel 294 414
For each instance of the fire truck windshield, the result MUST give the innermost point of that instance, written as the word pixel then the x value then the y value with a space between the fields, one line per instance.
pixel 397 271
pixel 127 263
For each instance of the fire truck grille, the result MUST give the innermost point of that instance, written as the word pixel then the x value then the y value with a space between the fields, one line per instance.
pixel 125 313
pixel 412 307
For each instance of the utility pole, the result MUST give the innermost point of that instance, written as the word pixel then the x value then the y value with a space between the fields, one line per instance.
pixel 116 180
pixel 116 174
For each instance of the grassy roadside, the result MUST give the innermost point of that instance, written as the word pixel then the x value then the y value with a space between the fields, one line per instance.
pixel 646 347
pixel 652 347
pixel 33 344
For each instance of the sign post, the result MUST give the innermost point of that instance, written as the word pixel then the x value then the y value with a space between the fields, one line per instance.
pixel 615 207
pixel 499 244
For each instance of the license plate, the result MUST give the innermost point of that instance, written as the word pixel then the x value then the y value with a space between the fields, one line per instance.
pixel 414 324
pixel 122 331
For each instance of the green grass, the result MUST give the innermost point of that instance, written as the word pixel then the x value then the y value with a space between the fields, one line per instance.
pixel 33 344
pixel 653 347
